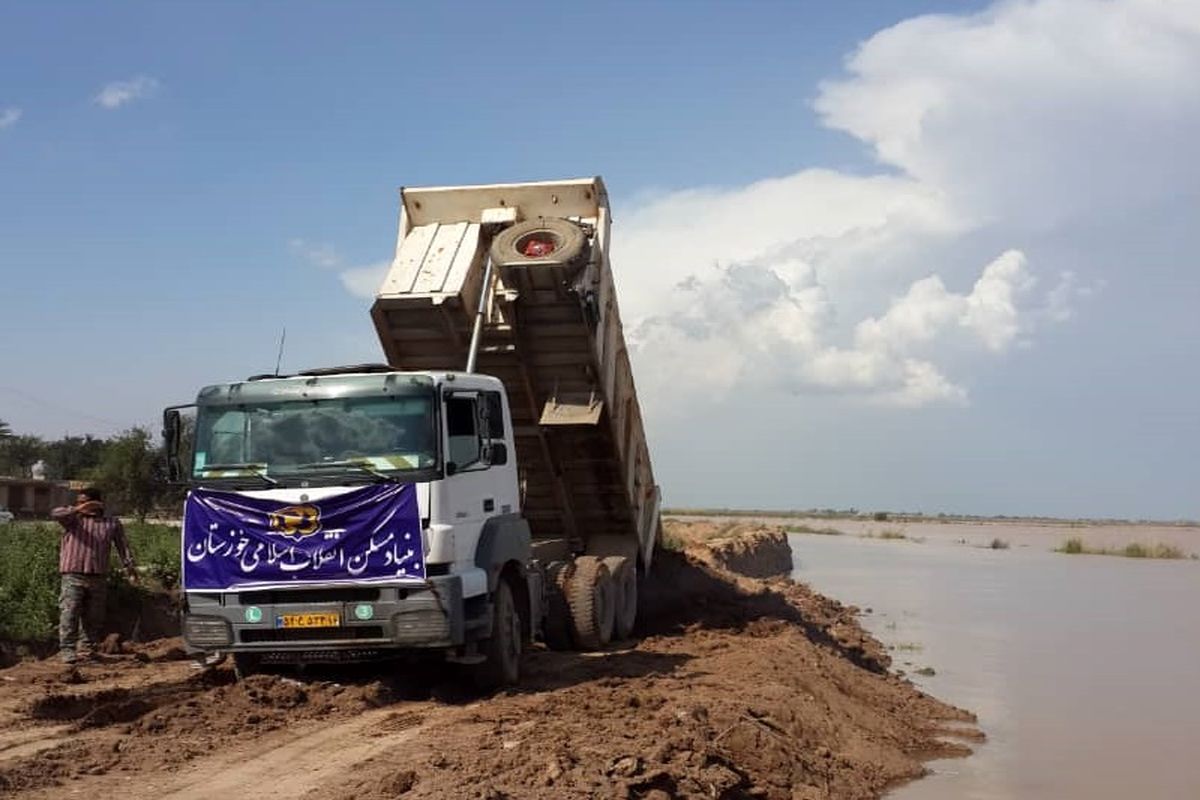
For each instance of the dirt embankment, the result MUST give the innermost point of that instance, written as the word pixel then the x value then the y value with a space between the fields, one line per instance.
pixel 737 688
pixel 747 550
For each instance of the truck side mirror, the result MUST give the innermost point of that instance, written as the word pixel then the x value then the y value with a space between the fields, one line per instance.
pixel 497 454
pixel 179 441
pixel 171 442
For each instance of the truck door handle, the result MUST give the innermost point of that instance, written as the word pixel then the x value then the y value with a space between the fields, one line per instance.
pixel 489 504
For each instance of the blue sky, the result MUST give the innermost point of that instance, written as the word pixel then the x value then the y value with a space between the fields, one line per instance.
pixel 246 157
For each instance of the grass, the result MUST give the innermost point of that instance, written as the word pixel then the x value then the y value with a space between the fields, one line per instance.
pixel 998 544
pixel 672 542
pixel 29 574
pixel 811 530
pixel 1075 546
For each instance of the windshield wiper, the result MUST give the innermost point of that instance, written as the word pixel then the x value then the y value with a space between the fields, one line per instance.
pixel 362 466
pixel 257 470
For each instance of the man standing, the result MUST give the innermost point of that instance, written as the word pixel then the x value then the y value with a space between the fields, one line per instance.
pixel 88 535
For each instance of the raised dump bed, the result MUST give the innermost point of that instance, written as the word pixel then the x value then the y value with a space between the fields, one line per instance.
pixel 551 331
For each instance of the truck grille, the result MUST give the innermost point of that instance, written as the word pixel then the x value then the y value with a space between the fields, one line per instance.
pixel 270 597
pixel 311 634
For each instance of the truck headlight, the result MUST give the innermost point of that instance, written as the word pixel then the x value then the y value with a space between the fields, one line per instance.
pixel 207 631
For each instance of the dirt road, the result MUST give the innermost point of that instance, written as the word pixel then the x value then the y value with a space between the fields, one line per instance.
pixel 739 687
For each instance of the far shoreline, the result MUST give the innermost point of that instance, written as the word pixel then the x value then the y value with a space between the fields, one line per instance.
pixel 994 532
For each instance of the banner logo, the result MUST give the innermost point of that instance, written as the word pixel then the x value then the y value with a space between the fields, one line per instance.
pixel 295 522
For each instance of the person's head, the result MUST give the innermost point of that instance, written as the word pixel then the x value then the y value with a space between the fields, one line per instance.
pixel 89 495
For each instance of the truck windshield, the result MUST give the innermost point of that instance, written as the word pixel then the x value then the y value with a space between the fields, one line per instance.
pixel 370 437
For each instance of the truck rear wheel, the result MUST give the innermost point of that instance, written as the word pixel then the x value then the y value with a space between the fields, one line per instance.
pixel 557 630
pixel 546 240
pixel 625 591
pixel 502 650
pixel 590 595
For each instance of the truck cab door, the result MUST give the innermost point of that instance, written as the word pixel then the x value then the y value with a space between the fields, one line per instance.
pixel 480 478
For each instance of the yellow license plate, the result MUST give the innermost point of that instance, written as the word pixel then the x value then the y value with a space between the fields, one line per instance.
pixel 329 620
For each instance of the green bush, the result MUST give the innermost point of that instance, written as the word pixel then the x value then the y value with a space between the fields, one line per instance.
pixel 156 549
pixel 29 579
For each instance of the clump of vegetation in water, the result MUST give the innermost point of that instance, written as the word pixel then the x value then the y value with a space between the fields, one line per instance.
pixel 1075 546
pixel 888 533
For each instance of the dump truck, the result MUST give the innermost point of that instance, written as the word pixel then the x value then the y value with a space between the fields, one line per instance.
pixel 489 485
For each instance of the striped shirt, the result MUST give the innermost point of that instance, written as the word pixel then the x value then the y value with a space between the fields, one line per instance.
pixel 87 540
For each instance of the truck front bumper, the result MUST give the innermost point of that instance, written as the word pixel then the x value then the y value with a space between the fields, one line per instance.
pixel 368 618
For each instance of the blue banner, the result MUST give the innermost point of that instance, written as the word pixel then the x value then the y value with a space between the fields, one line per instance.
pixel 370 534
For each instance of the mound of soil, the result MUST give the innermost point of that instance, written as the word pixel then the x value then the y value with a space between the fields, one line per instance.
pixel 755 551
pixel 742 688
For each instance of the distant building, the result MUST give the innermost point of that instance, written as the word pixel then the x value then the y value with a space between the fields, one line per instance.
pixel 28 497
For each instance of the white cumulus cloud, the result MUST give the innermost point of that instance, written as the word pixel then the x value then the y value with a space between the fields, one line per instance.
pixel 1032 112
pixel 9 117
pixel 361 281
pixel 118 93
pixel 365 281
pixel 1022 123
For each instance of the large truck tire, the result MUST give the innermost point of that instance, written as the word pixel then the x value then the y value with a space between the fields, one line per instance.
pixel 246 664
pixel 625 591
pixel 502 651
pixel 590 595
pixel 545 240
pixel 556 631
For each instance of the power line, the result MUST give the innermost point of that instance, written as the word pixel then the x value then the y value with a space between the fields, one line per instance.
pixel 51 404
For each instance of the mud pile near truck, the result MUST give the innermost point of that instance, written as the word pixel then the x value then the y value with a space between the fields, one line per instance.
pixel 738 687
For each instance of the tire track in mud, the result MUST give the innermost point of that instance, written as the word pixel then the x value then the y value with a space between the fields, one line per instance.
pixel 278 734
pixel 287 766
pixel 20 744
pixel 47 733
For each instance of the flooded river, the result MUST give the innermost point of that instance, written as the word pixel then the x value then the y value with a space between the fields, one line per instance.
pixel 1084 670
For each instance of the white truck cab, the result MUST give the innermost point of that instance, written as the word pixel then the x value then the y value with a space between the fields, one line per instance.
pixel 296 441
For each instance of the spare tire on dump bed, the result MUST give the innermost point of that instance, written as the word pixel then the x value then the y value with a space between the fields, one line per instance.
pixel 545 240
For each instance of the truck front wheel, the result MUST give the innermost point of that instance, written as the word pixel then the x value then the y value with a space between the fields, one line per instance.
pixel 502 666
pixel 246 664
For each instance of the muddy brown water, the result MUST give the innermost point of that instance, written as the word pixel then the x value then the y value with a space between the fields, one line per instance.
pixel 1084 670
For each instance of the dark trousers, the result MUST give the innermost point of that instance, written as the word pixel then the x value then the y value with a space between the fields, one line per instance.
pixel 81 610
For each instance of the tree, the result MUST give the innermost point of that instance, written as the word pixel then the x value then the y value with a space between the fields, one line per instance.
pixel 72 457
pixel 18 453
pixel 130 472
pixel 5 429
